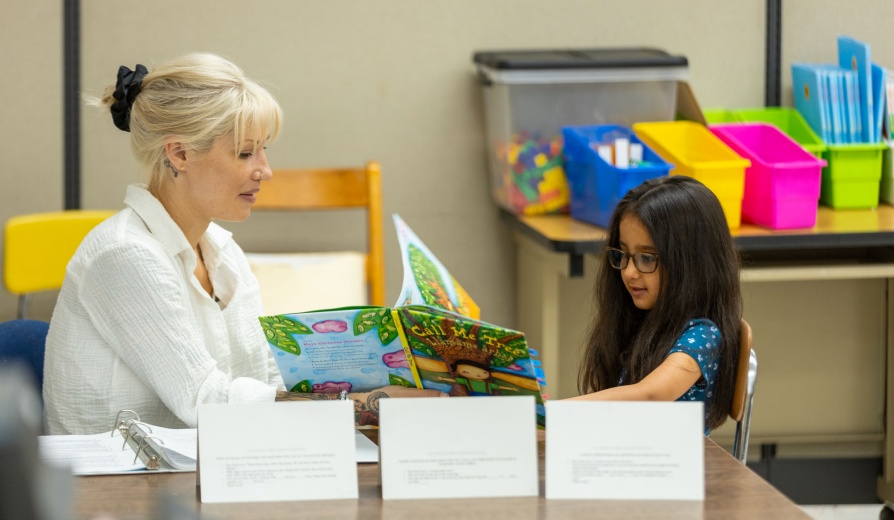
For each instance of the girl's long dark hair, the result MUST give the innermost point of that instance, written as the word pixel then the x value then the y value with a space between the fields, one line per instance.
pixel 699 267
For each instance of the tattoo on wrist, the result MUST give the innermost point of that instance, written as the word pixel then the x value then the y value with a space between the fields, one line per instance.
pixel 295 396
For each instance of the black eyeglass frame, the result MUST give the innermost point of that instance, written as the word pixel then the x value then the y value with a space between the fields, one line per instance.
pixel 625 258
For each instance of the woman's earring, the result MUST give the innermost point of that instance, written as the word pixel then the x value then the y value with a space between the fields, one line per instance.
pixel 169 165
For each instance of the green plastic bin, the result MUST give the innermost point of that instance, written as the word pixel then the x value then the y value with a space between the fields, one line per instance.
pixel 720 115
pixel 789 121
pixel 852 177
pixel 887 190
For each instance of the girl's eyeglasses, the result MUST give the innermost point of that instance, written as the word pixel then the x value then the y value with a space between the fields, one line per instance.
pixel 645 262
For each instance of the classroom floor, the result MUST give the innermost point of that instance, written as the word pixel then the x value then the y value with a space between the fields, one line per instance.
pixel 844 512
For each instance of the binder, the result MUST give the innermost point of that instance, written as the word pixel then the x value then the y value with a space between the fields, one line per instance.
pixel 131 446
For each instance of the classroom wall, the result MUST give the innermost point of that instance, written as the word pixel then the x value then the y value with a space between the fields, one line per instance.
pixel 390 80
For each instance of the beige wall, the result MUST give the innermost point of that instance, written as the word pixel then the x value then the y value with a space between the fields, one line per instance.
pixel 389 80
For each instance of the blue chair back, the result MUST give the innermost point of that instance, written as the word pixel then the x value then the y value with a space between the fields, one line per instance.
pixel 24 341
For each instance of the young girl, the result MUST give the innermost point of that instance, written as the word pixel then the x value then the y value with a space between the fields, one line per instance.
pixel 669 302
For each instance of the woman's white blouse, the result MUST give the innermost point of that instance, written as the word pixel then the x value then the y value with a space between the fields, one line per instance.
pixel 133 328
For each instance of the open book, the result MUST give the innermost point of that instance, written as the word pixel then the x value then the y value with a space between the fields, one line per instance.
pixel 431 339
pixel 132 447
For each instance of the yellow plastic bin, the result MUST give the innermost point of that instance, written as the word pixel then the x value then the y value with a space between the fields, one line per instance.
pixel 698 153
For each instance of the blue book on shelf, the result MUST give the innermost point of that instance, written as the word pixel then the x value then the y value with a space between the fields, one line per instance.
pixel 854 55
pixel 810 98
pixel 833 104
pixel 853 108
pixel 878 95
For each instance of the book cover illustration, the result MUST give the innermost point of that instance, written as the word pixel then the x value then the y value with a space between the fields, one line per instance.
pixel 431 339
pixel 854 55
pixel 426 281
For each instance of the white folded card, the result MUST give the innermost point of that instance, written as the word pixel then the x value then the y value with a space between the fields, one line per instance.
pixel 458 447
pixel 625 450
pixel 264 452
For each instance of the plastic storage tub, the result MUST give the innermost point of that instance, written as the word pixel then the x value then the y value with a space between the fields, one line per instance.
pixel 886 193
pixel 852 176
pixel 782 185
pixel 698 153
pixel 720 115
pixel 789 121
pixel 530 95
pixel 596 185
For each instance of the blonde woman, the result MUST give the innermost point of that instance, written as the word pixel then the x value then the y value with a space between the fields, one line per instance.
pixel 158 311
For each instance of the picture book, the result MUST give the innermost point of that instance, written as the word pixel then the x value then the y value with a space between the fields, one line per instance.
pixel 431 339
pixel 811 99
pixel 854 55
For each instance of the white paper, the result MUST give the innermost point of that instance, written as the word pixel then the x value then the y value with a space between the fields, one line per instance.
pixel 367 451
pixel 625 450
pixel 259 452
pixel 105 453
pixel 97 454
pixel 458 447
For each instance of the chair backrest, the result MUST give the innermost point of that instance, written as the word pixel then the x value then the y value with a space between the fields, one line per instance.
pixel 743 394
pixel 38 246
pixel 24 342
pixel 335 188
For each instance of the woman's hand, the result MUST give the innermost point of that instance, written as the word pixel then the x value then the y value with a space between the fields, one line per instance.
pixel 366 404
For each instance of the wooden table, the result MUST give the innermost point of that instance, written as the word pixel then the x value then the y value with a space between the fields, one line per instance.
pixel 820 302
pixel 731 491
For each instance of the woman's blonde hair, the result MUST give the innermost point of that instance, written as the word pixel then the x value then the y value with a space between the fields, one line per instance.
pixel 194 100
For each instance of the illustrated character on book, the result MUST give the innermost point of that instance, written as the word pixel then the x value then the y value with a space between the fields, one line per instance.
pixel 471 357
pixel 474 377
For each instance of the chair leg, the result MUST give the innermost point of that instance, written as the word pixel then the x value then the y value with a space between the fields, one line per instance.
pixel 743 430
pixel 23 306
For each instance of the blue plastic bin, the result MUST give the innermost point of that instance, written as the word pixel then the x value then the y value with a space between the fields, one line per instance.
pixel 597 186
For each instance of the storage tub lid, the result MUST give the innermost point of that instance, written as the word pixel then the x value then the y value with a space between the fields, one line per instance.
pixel 579 58
pixel 579 65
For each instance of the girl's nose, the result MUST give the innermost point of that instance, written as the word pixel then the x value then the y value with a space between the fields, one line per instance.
pixel 630 270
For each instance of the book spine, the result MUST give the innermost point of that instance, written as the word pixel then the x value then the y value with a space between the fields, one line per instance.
pixel 411 361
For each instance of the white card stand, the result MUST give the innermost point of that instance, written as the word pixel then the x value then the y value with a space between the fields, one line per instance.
pixel 458 447
pixel 266 452
pixel 625 450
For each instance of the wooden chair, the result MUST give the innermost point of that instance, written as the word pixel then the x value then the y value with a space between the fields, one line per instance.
pixel 335 188
pixel 38 246
pixel 746 376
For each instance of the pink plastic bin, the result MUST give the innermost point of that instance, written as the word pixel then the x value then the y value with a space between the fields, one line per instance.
pixel 782 185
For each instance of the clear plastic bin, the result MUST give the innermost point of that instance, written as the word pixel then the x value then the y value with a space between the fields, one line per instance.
pixel 596 185
pixel 530 95
pixel 698 153
pixel 782 185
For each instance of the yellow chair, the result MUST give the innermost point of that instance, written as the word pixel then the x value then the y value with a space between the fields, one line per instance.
pixel 37 248
pixel 743 394
pixel 335 188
